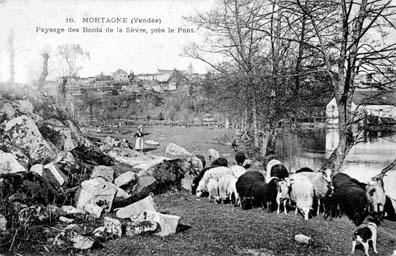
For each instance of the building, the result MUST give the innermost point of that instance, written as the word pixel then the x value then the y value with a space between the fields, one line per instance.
pixel 121 75
pixel 380 104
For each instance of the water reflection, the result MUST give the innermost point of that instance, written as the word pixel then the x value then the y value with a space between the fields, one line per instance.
pixel 310 147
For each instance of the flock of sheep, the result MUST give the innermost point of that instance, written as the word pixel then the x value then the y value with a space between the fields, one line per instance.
pixel 308 192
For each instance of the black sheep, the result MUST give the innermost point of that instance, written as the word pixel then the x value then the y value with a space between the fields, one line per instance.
pixel 390 209
pixel 198 178
pixel 279 171
pixel 240 158
pixel 202 158
pixel 244 187
pixel 351 198
pixel 304 169
pixel 264 194
pixel 220 162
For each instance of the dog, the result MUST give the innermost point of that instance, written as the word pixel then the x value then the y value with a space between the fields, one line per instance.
pixel 366 233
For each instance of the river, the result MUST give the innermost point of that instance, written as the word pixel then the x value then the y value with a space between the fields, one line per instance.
pixel 310 147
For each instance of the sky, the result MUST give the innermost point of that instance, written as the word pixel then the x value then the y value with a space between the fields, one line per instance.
pixel 137 52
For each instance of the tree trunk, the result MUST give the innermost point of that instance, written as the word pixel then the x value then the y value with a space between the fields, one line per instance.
pixel 44 72
pixel 255 124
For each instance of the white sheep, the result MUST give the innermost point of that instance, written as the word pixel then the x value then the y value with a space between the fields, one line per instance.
pixel 213 190
pixel 302 193
pixel 237 170
pixel 224 183
pixel 283 195
pixel 269 167
pixel 213 154
pixel 233 191
pixel 214 173
pixel 320 185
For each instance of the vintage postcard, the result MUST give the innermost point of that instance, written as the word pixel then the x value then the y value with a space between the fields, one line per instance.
pixel 197 127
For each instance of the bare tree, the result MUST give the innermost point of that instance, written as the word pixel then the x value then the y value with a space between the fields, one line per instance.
pixel 44 72
pixel 72 54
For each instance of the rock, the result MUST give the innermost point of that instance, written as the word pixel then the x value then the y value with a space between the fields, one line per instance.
pixel 65 220
pixel 213 154
pixel 125 179
pixel 144 186
pixel 3 223
pixel 71 210
pixel 37 168
pixel 92 156
pixel 24 134
pixel 135 209
pixel 187 181
pixel 56 132
pixel 82 242
pixel 8 164
pixel 144 227
pixel 67 163
pixel 303 239
pixel 103 171
pixel 19 155
pixel 113 226
pixel 96 192
pixel 148 164
pixel 168 223
pixel 174 149
pixel 93 209
pixel 54 175
pixel 7 112
pixel 24 107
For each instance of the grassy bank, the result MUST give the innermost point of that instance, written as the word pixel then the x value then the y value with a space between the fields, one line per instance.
pixel 227 230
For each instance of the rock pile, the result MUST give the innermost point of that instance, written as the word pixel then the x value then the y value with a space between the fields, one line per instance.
pixel 51 174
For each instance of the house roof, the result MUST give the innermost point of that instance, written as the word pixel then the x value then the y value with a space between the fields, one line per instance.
pixel 374 97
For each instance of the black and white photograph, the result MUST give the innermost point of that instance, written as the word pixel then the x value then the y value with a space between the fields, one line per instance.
pixel 198 127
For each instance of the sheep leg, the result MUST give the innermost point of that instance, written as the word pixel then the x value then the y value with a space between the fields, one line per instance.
pixel 269 206
pixel 366 248
pixel 375 246
pixel 278 210
pixel 296 211
pixel 318 211
pixel 353 247
pixel 284 206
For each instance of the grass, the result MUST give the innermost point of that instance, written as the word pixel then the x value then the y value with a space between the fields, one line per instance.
pixel 228 230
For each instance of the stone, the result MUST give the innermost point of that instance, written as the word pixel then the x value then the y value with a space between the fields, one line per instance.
pixel 65 220
pixel 54 175
pixel 92 155
pixel 3 223
pixel 93 209
pixel 113 226
pixel 71 210
pixel 103 171
pixel 168 223
pixel 144 186
pixel 25 135
pixel 125 179
pixel 135 209
pixel 303 239
pixel 96 192
pixel 174 149
pixel 144 227
pixel 9 164
pixel 37 168
pixel 24 107
pixel 7 112
pixel 82 242
pixel 56 132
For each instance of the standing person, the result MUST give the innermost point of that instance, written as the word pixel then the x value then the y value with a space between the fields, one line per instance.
pixel 139 144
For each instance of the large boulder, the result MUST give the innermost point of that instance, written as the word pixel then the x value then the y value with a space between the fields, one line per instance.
pixel 106 172
pixel 174 149
pixel 54 175
pixel 135 209
pixel 125 179
pixel 56 132
pixel 23 133
pixel 9 164
pixel 160 178
pixel 168 223
pixel 92 155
